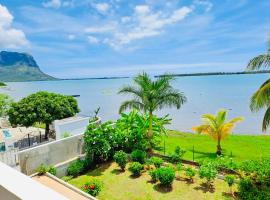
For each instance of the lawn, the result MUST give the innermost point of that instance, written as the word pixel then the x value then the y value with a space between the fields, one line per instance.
pixel 242 147
pixel 122 186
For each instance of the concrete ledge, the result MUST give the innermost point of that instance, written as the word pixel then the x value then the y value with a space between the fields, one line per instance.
pixel 70 187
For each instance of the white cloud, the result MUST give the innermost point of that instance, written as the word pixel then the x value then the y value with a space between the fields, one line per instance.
pixel 92 39
pixel 205 3
pixel 102 7
pixel 125 19
pixel 146 23
pixel 101 29
pixel 52 4
pixel 58 3
pixel 9 36
pixel 71 37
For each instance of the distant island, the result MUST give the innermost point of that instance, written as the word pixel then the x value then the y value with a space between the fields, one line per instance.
pixel 113 77
pixel 219 73
pixel 16 66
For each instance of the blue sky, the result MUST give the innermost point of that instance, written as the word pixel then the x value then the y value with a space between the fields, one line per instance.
pixel 89 38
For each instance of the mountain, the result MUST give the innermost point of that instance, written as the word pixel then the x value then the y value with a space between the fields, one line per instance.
pixel 16 66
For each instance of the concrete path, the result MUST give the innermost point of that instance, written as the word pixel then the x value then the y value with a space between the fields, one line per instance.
pixel 58 187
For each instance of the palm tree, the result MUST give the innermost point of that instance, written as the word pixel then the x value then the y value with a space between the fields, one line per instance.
pixel 261 98
pixel 217 127
pixel 151 95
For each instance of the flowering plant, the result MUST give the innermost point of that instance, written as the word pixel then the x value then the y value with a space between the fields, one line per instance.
pixel 93 187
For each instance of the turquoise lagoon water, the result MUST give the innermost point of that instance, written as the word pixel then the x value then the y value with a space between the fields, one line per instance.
pixel 205 94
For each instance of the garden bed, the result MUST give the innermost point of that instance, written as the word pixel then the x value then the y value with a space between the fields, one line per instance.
pixel 122 185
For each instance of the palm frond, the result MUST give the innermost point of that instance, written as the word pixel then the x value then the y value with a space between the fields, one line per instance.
pixel 261 61
pixel 261 97
pixel 236 120
pixel 130 90
pixel 131 104
pixel 266 120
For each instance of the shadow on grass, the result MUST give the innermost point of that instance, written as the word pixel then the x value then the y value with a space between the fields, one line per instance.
pixel 205 188
pixel 229 195
pixel 162 189
pixel 211 155
pixel 186 180
pixel 132 176
pixel 117 171
pixel 99 169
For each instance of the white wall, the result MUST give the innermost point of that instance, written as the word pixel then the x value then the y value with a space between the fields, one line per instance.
pixel 74 127
pixel 15 186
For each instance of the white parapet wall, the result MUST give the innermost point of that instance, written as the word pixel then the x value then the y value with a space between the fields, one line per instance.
pixel 17 186
pixel 51 153
pixel 71 126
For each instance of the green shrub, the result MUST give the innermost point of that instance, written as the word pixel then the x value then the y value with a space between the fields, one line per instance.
pixel 76 168
pixel 93 187
pixel 209 172
pixel 67 178
pixel 154 175
pixel 179 167
pixel 177 155
pixel 255 182
pixel 190 173
pixel 156 161
pixel 165 175
pixel 42 169
pixel 138 156
pixel 121 159
pixel 136 168
pixel 52 170
pixel 230 180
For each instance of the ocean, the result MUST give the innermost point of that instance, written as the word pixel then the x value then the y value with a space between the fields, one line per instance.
pixel 205 94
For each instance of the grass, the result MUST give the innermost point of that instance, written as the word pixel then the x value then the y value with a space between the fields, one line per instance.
pixel 242 147
pixel 122 186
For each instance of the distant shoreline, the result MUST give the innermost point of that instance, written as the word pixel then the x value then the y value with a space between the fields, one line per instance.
pixel 218 73
pixel 156 76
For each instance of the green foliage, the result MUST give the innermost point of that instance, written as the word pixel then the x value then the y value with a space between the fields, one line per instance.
pixel 100 141
pixel 156 161
pixel 230 180
pixel 39 125
pixel 121 159
pixel 67 178
pixel 66 134
pixel 179 167
pixel 129 132
pixel 154 175
pixel 151 95
pixel 255 183
pixel 138 156
pixel 52 170
pixel 260 99
pixel 208 171
pixel 190 172
pixel 42 169
pixel 2 84
pixel 132 129
pixel 5 102
pixel 76 168
pixel 177 155
pixel 43 107
pixel 221 163
pixel 93 187
pixel 165 175
pixel 135 168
